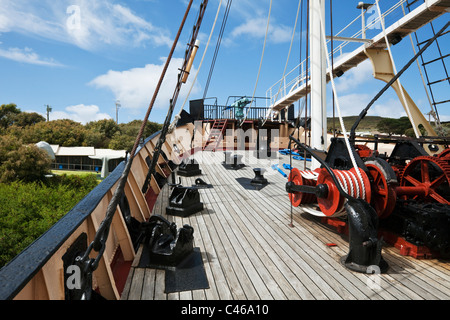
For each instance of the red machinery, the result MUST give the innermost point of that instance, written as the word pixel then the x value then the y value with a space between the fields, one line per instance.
pixel 409 190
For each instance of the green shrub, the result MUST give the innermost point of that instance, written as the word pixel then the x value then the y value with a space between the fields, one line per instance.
pixel 27 210
pixel 22 162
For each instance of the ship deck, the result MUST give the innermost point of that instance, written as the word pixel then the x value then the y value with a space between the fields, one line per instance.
pixel 250 251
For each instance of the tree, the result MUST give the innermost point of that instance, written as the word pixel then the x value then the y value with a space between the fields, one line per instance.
pixel 394 126
pixel 22 162
pixel 124 140
pixel 7 114
pixel 67 133
pixel 25 119
pixel 99 133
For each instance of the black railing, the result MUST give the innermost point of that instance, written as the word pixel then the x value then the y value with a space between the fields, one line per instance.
pixel 212 112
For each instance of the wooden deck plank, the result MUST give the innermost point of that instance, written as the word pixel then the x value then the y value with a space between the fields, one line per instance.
pixel 253 203
pixel 233 194
pixel 250 251
pixel 419 262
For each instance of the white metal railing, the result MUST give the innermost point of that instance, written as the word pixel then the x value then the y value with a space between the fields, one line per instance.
pixel 297 76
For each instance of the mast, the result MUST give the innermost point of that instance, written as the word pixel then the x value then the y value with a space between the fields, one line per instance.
pixel 318 79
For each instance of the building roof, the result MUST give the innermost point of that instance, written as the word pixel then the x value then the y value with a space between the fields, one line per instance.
pixel 88 152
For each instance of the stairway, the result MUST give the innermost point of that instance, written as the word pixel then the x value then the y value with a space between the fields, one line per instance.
pixel 215 135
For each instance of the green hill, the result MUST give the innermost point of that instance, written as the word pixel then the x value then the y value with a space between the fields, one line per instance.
pixel 369 123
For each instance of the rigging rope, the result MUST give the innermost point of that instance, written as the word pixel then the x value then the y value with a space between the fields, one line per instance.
pixel 388 85
pixel 341 120
pixel 434 111
pixel 178 116
pixel 395 70
pixel 219 41
pixel 297 125
pixel 101 236
pixel 289 54
pixel 418 64
pixel 260 64
pixel 162 136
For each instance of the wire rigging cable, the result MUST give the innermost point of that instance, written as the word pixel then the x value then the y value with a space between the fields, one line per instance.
pixel 178 116
pixel 260 63
pixel 101 236
pixel 346 138
pixel 183 71
pixel 219 41
pixel 395 70
pixel 289 55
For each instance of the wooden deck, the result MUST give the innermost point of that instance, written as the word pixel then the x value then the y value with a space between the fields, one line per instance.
pixel 250 251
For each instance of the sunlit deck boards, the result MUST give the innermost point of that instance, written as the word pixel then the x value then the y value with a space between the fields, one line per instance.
pixel 250 251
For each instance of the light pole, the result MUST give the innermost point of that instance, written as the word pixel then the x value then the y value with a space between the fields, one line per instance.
pixel 363 6
pixel 49 109
pixel 118 105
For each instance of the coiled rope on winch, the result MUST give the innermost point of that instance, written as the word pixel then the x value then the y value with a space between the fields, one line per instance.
pixel 336 100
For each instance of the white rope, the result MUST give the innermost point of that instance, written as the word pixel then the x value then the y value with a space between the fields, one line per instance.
pixel 289 54
pixel 395 71
pixel 178 116
pixel 338 108
pixel 310 175
pixel 260 64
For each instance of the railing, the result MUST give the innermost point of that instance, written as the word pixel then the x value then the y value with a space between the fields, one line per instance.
pixel 252 112
pixel 26 265
pixel 365 26
pixel 212 112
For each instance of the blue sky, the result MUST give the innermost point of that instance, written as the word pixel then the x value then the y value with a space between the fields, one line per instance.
pixel 81 56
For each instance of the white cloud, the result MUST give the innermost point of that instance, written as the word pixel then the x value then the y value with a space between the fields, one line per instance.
pixel 86 24
pixel 392 108
pixel 444 117
pixel 80 113
pixel 256 28
pixel 27 55
pixel 351 104
pixel 134 88
pixel 355 77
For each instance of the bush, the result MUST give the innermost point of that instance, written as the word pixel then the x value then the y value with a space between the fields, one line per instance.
pixel 30 209
pixel 22 162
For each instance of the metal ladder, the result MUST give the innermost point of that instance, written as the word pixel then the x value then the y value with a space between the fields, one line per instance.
pixel 215 135
pixel 427 65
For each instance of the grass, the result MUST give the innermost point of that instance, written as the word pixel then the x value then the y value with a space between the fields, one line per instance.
pixel 77 173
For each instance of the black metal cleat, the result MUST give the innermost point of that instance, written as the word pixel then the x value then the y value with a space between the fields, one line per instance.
pixel 166 246
pixel 189 168
pixel 184 201
pixel 259 179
